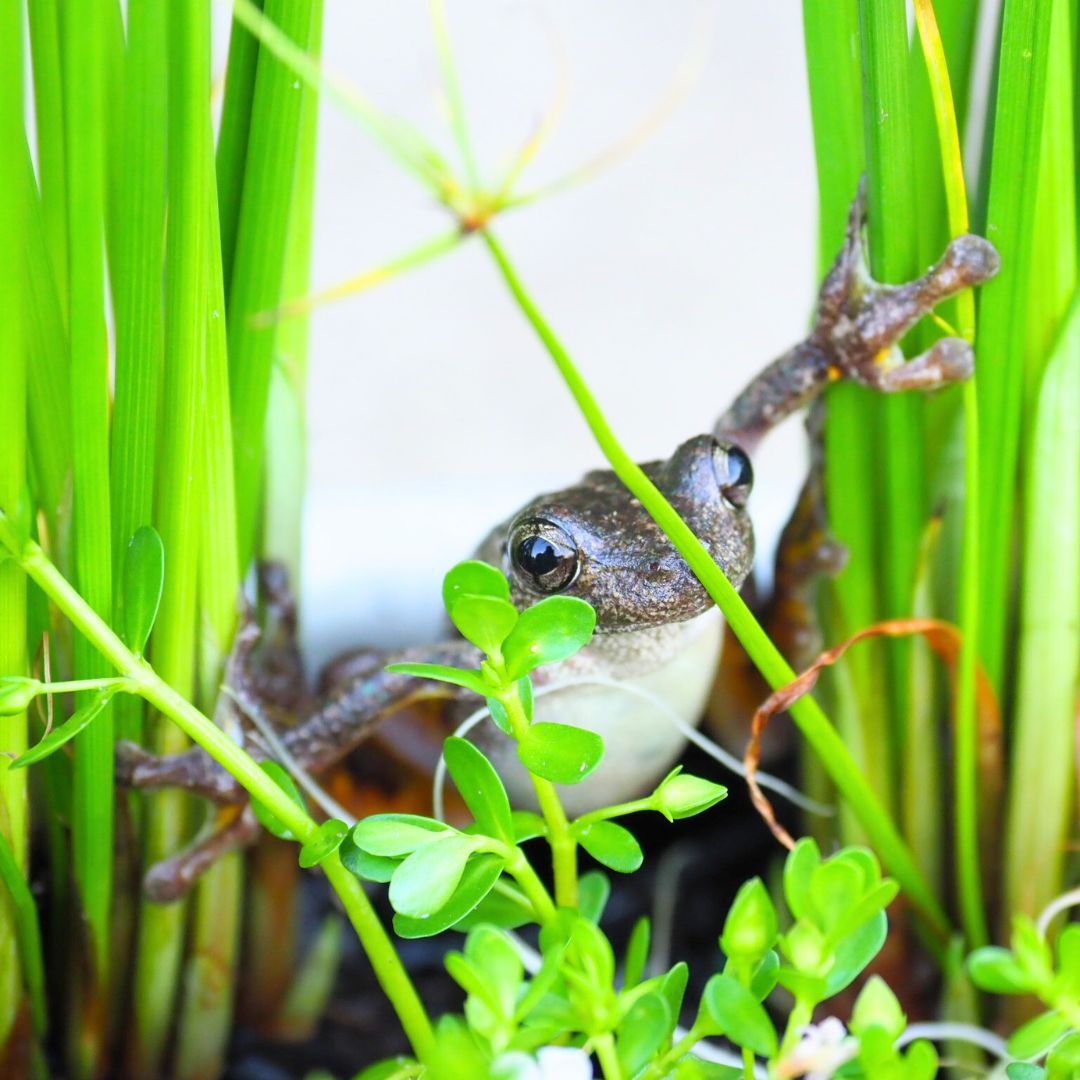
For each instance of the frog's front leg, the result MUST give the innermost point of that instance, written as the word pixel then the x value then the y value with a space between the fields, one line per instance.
pixel 858 327
pixel 363 696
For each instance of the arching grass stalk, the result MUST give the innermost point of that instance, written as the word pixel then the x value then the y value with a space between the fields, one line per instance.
pixel 966 827
pixel 812 722
pixel 145 681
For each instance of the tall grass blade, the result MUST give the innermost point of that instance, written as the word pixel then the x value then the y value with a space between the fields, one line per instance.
pixel 14 207
pixel 85 136
pixel 1011 206
pixel 44 20
pixel 1042 789
pixel 262 230
pixel 177 502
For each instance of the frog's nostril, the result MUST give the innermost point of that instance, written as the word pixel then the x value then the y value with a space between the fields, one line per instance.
pixel 654 566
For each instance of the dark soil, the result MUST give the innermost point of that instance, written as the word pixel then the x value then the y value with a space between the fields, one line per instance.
pixel 695 865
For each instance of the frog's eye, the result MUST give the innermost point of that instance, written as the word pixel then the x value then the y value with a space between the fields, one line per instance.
pixel 734 473
pixel 544 555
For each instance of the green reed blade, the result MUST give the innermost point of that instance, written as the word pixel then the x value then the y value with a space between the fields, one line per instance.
pixel 48 384
pixel 209 977
pixel 233 135
pixel 28 940
pixel 262 230
pixel 138 265
pixel 1042 788
pixel 82 52
pixel 177 501
pixel 44 20
pixel 14 207
pixel 1014 174
pixel 833 52
pixel 272 895
pixel 893 232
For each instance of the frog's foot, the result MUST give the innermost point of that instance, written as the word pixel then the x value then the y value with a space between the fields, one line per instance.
pixel 227 830
pixel 193 770
pixel 856 336
pixel 860 321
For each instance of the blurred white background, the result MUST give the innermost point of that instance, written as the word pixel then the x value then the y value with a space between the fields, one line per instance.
pixel 672 278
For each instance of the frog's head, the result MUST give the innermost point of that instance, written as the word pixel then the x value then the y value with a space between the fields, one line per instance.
pixel 595 541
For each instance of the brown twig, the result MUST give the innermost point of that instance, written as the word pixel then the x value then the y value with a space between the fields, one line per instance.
pixel 944 639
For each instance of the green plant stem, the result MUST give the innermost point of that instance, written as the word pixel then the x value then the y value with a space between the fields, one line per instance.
pixel 606 813
pixel 609 1059
pixel 200 729
pixel 811 721
pixel 531 885
pixel 560 838
pixel 72 686
pixel 748 1063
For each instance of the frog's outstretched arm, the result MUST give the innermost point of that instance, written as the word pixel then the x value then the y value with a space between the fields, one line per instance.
pixel 855 336
pixel 361 693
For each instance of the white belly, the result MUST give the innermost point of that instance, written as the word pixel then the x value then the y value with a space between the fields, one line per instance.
pixel 674 667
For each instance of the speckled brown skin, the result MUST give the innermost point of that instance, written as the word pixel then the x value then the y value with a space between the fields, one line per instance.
pixel 646 598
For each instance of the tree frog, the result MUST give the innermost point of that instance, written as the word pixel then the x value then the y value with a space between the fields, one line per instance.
pixel 658 635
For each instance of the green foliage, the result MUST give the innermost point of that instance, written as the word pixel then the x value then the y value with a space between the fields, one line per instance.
pixel 143 579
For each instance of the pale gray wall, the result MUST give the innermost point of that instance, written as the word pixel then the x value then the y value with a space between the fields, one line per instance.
pixel 672 278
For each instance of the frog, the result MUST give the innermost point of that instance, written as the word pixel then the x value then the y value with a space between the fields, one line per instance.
pixel 659 636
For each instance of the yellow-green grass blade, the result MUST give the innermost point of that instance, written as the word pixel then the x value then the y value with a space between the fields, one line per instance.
pixel 274 873
pixel 177 502
pixel 44 21
pixel 233 135
pixel 968 830
pixel 850 601
pixel 1004 328
pixel 258 267
pixel 893 229
pixel 48 384
pixel 1042 788
pixel 138 265
pixel 83 57
pixel 209 977
pixel 14 204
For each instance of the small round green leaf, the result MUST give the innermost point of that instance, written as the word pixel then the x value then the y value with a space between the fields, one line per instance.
pixel 612 845
pixel 471 680
pixel 560 753
pixel 479 785
pixel 476 883
pixel 1024 1070
pixel 733 1011
pixel 396 835
pixel 855 951
pixel 427 879
pixel 80 719
pixel 594 888
pixel 995 970
pixel 267 818
pixel 16 693
pixel 642 1032
pixel 326 841
pixel 1037 1036
pixel 483 620
pixel 365 865
pixel 144 575
pixel 637 953
pixel 499 715
pixel 546 633
pixel 527 826
pixel 475 578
